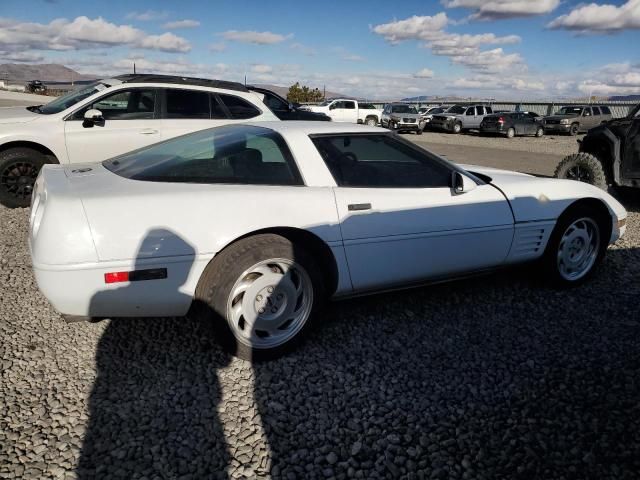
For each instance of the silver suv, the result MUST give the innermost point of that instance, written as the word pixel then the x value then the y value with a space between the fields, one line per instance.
pixel 402 117
pixel 460 117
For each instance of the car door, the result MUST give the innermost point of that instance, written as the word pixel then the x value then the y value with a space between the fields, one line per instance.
pixel 130 120
pixel 401 222
pixel 587 121
pixel 526 124
pixel 470 118
pixel 184 111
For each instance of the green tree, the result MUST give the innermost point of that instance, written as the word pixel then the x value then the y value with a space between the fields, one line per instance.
pixel 304 94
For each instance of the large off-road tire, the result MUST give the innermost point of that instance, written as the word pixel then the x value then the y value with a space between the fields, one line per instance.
pixel 457 127
pixel 371 121
pixel 19 168
pixel 574 129
pixel 511 132
pixel 576 247
pixel 259 295
pixel 583 167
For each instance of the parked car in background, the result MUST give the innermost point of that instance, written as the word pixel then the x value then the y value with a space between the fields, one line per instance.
pixel 402 118
pixel 347 110
pixel 35 86
pixel 511 124
pixel 283 109
pixel 426 115
pixel 460 117
pixel 110 117
pixel 609 154
pixel 144 234
pixel 577 118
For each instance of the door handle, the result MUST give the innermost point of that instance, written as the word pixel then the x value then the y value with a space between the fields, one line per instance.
pixel 148 131
pixel 357 207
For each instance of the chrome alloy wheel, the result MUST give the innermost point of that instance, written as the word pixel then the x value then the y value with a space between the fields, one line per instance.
pixel 270 303
pixel 578 249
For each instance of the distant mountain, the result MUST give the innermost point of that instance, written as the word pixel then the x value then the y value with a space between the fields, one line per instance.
pixel 47 72
pixel 625 98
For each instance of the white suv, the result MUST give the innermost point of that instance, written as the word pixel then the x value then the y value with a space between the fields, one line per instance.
pixel 111 117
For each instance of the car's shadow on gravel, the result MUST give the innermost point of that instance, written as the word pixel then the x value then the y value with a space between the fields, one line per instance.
pixel 493 377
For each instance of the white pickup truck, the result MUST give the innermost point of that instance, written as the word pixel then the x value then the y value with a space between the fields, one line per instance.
pixel 344 110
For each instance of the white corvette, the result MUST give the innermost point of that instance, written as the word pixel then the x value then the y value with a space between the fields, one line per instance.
pixel 252 226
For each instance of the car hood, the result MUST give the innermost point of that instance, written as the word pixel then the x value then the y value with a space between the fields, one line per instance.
pixel 535 198
pixel 16 115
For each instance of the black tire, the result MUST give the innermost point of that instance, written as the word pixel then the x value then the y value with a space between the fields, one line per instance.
pixel 511 132
pixel 582 167
pixel 419 131
pixel 457 128
pixel 539 132
pixel 19 168
pixel 550 261
pixel 574 129
pixel 220 276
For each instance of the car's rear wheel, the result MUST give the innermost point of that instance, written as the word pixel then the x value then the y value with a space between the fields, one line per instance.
pixel 539 132
pixel 457 127
pixel 511 132
pixel 260 295
pixel 582 167
pixel 19 168
pixel 577 245
pixel 574 129
pixel 371 121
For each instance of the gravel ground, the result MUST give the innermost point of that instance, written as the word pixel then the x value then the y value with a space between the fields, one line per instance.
pixel 550 144
pixel 493 378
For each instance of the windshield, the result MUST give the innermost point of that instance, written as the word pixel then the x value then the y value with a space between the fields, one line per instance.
pixel 71 98
pixel 456 109
pixel 569 111
pixel 404 109
pixel 325 103
pixel 436 110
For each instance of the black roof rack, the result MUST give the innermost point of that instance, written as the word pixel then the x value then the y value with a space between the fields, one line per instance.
pixel 201 82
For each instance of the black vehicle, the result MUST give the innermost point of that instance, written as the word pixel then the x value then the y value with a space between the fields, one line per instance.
pixel 36 86
pixel 511 124
pixel 609 154
pixel 284 110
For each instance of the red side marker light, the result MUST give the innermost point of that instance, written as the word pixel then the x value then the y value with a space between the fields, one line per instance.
pixel 116 277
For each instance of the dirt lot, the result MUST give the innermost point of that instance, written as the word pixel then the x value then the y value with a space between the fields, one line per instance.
pixel 499 377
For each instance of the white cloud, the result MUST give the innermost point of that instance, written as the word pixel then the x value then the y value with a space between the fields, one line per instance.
pixel 424 73
pixel 147 16
pixel 416 27
pixel 257 38
pixel 21 57
pixel 260 68
pixel 217 47
pixel 501 85
pixel 595 18
pixel 82 33
pixel 181 24
pixel 497 9
pixel 305 50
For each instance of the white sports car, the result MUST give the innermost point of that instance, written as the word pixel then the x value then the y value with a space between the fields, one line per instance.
pixel 252 226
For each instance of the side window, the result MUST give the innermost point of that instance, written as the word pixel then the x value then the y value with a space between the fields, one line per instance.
pixel 596 110
pixel 480 110
pixel 470 111
pixel 379 161
pixel 350 105
pixel 135 104
pixel 239 108
pixel 339 105
pixel 605 110
pixel 274 103
pixel 489 110
pixel 248 155
pixel 586 112
pixel 187 104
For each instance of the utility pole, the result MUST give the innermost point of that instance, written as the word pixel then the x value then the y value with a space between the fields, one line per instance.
pixel 134 68
pixel 324 92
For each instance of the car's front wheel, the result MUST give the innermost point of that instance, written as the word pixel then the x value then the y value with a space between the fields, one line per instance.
pixel 539 132
pixel 457 127
pixel 577 245
pixel 260 295
pixel 574 129
pixel 371 121
pixel 19 168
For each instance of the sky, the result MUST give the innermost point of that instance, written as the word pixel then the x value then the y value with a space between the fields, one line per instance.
pixel 506 49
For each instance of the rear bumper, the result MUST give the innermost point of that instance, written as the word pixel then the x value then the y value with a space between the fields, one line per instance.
pixel 492 129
